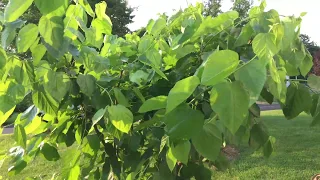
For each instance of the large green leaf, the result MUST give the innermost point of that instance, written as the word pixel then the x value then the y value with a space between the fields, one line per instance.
pixel 183 122
pixel 171 160
pixel 245 36
pixel 44 101
pixel 181 91
pixel 98 116
pixel 216 24
pixel 52 8
pixel 87 84
pixel 158 26
pixel 264 45
pixel 86 6
pixel 181 151
pixel 314 82
pixel 15 8
pixel 26 37
pixel 230 101
pixel 155 103
pixel 120 117
pixel 298 100
pixel 253 76
pixel 9 32
pixel 33 125
pixel 208 142
pixel 49 152
pixel 219 66
pixel 306 64
pixel 51 29
pixel 57 85
pixel 20 136
pixel 74 173
pixel 11 95
pixel 120 97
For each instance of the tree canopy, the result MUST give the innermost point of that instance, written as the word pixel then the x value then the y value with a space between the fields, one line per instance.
pixel 158 106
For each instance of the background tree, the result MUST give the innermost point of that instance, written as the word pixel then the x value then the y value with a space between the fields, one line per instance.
pixel 212 8
pixel 120 14
pixel 242 7
pixel 310 45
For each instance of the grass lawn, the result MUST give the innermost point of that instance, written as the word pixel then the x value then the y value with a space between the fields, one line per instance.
pixel 296 156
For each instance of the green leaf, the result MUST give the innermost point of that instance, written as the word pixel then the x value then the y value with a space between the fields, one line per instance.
pixel 220 65
pixel 49 152
pixel 139 77
pixel 183 122
pixel 155 103
pixel 74 173
pixel 87 84
pixel 9 32
pixel 181 151
pixel 306 65
pixel 37 53
pixel 51 29
pixel 208 142
pixel 264 45
pixel 298 100
pixel 139 95
pixel 5 115
pixel 120 117
pixel 253 76
pixel 98 116
pixel 86 6
pixel 258 135
pixel 245 36
pixel 15 8
pixel 314 82
pixel 181 91
pixel 92 145
pixel 33 125
pixel 230 101
pixel 57 84
pixel 102 26
pixel 171 160
pixel 52 8
pixel 20 136
pixel 216 24
pixel 154 58
pixel 145 44
pixel 269 146
pixel 158 26
pixel 120 97
pixel 26 37
pixel 44 101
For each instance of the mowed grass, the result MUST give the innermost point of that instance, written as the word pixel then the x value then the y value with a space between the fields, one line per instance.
pixel 296 156
pixel 38 168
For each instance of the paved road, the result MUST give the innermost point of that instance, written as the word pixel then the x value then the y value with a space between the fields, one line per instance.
pixel 267 107
pixel 8 130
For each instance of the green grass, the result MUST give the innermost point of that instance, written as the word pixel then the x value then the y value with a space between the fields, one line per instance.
pixel 296 156
pixel 37 168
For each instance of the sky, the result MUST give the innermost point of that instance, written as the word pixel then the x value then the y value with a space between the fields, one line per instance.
pixel 149 9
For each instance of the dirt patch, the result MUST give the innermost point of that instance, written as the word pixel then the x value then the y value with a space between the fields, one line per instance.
pixel 231 152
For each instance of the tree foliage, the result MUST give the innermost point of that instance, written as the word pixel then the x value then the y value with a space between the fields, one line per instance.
pixel 120 13
pixel 161 105
pixel 212 8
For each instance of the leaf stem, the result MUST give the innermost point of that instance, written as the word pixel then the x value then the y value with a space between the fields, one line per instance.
pixel 299 80
pixel 105 90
